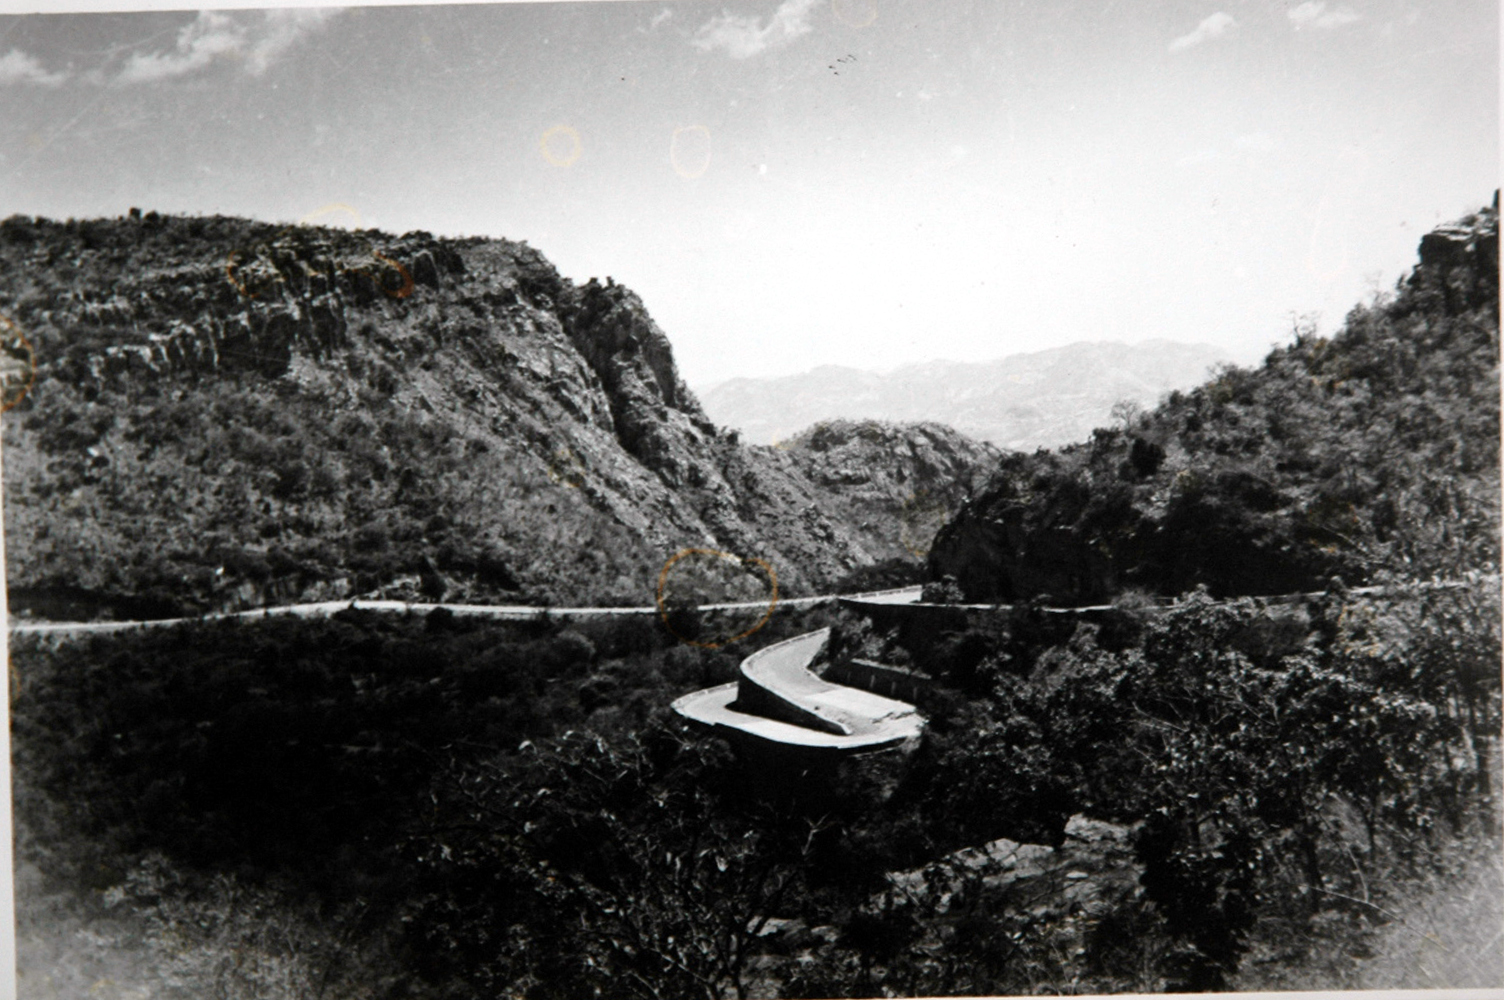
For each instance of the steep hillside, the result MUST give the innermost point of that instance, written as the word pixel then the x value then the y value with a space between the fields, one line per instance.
pixel 866 465
pixel 1021 402
pixel 228 413
pixel 1373 452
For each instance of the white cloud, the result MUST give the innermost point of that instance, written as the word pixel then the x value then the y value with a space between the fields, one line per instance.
pixel 1256 142
pixel 210 35
pixel 18 67
pixel 281 30
pixel 213 35
pixel 1313 14
pixel 744 36
pixel 1213 27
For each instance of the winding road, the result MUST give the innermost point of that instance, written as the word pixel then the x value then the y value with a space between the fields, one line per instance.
pixel 778 700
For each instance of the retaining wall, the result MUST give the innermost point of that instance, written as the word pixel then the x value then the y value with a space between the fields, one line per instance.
pixel 891 682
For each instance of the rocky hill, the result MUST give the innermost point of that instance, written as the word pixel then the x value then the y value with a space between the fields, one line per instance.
pixel 1020 402
pixel 228 413
pixel 1372 453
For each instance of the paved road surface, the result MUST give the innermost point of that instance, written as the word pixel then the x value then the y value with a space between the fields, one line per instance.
pixel 781 671
pixel 504 612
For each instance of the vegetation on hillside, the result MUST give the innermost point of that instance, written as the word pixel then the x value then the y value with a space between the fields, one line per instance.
pixel 1287 771
pixel 293 757
pixel 222 418
pixel 1369 455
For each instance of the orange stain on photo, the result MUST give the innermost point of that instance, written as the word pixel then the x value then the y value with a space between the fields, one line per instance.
pixel 330 209
pixel 743 561
pixel 18 365
pixel 561 145
pixel 856 13
pixel 689 151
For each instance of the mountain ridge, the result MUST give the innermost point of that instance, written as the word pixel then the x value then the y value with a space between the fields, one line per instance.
pixel 229 413
pixel 1017 402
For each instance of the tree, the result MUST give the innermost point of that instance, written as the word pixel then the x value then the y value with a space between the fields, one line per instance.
pixel 626 858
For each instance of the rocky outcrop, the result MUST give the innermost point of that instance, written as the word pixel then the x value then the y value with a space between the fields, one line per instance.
pixel 1076 902
pixel 1093 868
pixel 900 481
pixel 655 417
pixel 1459 263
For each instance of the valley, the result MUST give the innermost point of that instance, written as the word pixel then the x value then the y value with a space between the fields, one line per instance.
pixel 356 580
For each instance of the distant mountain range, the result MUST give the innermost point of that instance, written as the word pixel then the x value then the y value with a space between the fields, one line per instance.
pixel 1021 402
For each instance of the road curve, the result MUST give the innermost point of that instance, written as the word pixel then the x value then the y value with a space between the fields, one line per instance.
pixel 779 701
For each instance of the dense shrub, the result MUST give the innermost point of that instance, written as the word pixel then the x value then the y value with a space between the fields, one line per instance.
pixel 1234 738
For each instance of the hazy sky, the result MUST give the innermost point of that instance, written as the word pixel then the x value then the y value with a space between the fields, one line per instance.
pixel 862 182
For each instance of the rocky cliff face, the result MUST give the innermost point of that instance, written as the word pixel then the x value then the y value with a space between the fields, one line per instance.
pixel 653 413
pixel 1373 452
pixel 866 466
pixel 228 413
